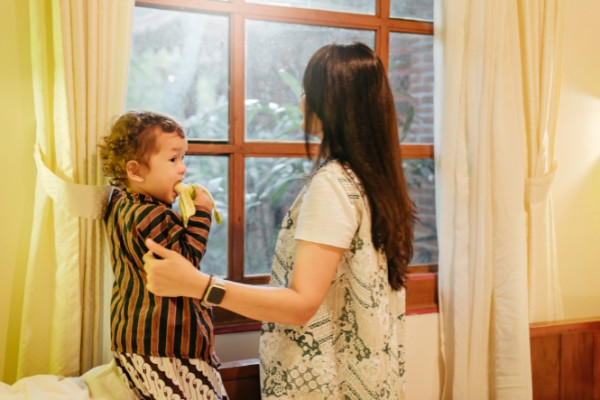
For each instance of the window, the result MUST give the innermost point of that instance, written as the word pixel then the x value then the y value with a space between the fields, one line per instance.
pixel 231 73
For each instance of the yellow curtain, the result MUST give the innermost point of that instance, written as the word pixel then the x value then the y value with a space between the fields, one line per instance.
pixel 80 56
pixel 541 51
pixel 495 104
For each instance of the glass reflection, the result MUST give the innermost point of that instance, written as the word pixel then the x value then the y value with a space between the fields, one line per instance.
pixel 421 10
pixel 276 55
pixel 212 172
pixel 179 66
pixel 272 184
pixel 349 6
pixel 411 77
pixel 420 179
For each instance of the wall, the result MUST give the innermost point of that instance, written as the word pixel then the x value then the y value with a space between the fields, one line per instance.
pixel 17 178
pixel 576 189
pixel 17 173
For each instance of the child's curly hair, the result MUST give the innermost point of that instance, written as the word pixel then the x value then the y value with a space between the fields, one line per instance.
pixel 133 137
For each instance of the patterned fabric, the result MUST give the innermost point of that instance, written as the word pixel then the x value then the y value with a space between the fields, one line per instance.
pixel 352 348
pixel 141 322
pixel 163 378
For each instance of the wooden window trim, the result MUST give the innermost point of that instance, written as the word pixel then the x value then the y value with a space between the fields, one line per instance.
pixel 299 15
pixel 421 285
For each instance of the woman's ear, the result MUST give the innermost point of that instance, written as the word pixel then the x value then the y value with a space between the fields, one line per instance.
pixel 316 127
pixel 134 171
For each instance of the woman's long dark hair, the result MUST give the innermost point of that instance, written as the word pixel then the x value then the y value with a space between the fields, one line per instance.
pixel 346 87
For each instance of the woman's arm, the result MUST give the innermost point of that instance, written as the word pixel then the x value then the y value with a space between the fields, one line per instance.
pixel 314 269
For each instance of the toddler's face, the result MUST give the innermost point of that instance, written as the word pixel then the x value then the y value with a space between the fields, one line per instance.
pixel 166 167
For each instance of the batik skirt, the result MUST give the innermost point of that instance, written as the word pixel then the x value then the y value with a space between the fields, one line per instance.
pixel 166 378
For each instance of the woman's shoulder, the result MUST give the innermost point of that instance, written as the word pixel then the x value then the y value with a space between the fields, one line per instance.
pixel 330 164
pixel 332 168
pixel 340 173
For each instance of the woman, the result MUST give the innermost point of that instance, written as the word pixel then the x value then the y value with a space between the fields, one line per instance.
pixel 334 311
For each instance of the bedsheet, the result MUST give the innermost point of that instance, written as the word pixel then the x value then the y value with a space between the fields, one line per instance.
pixel 99 383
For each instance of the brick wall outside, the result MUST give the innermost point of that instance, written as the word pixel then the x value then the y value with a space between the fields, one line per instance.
pixel 412 80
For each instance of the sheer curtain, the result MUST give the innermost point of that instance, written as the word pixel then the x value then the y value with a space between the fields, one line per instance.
pixel 80 56
pixel 541 49
pixel 483 142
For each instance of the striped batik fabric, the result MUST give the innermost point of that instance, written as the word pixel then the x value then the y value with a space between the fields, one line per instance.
pixel 142 323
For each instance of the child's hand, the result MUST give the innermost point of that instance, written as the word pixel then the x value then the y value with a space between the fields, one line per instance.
pixel 202 193
pixel 202 198
pixel 192 196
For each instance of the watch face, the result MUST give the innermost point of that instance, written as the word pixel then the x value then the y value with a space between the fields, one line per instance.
pixel 215 295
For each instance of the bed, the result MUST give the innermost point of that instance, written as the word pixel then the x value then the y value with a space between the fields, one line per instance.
pixel 241 380
pixel 99 383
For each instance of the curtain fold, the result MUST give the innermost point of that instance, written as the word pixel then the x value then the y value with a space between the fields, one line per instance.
pixel 541 48
pixel 495 109
pixel 80 57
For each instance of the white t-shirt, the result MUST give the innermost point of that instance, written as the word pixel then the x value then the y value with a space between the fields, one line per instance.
pixel 326 215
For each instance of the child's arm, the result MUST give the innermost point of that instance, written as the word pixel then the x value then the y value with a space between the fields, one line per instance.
pixel 165 226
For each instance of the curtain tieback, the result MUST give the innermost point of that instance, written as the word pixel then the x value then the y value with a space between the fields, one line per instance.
pixel 80 200
pixel 538 187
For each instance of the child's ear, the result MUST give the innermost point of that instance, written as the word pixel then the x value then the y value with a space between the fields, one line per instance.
pixel 134 171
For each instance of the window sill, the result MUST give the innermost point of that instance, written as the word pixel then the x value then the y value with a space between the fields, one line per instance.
pixel 421 291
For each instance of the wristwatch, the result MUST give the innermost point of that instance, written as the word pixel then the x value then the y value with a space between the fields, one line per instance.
pixel 215 292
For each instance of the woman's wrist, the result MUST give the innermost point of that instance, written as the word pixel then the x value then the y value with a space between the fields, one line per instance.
pixel 195 284
pixel 210 279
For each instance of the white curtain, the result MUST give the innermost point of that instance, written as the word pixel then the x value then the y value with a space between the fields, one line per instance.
pixel 483 140
pixel 80 56
pixel 541 48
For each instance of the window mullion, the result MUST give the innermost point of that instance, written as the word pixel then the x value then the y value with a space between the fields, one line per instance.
pixel 383 8
pixel 237 217
pixel 382 45
pixel 237 138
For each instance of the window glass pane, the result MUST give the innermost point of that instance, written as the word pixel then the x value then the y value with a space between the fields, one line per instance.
pixel 349 6
pixel 272 184
pixel 421 187
pixel 212 172
pixel 276 55
pixel 179 66
pixel 412 9
pixel 411 78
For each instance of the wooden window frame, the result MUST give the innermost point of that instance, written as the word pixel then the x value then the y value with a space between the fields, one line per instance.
pixel 421 296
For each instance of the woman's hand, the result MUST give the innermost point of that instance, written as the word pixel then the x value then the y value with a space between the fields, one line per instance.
pixel 172 275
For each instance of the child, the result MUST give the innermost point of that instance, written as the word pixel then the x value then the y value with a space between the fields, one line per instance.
pixel 163 346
